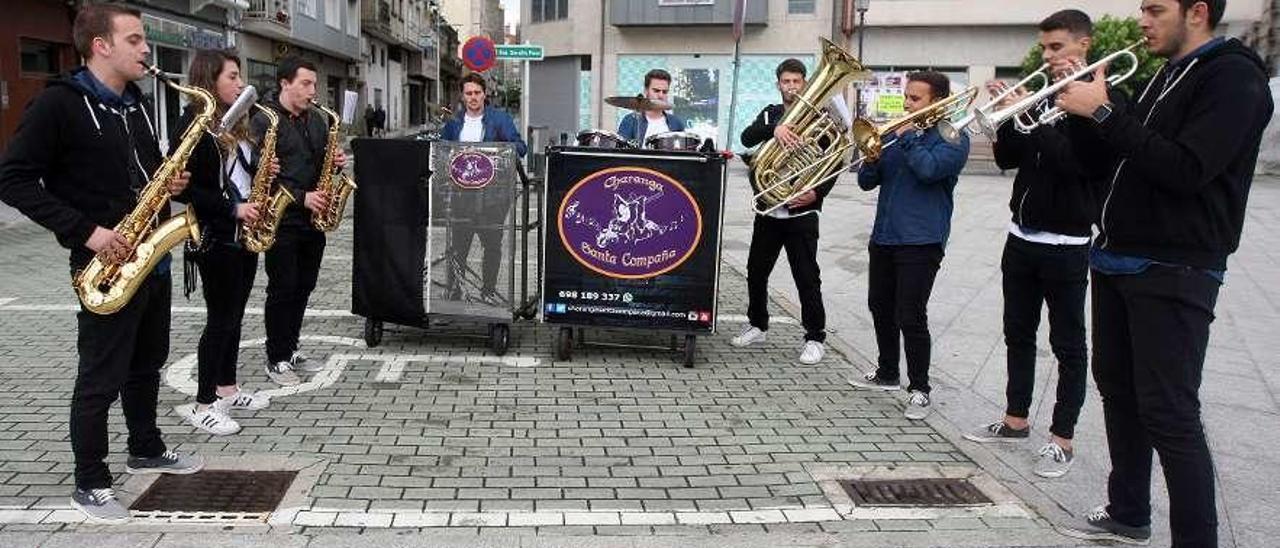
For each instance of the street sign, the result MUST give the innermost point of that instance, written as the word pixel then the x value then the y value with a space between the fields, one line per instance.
pixel 520 52
pixel 478 53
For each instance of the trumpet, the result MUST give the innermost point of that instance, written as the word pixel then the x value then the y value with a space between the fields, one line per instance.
pixel 870 138
pixel 980 118
pixel 989 119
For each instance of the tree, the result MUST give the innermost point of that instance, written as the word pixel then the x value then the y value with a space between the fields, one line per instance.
pixel 1109 34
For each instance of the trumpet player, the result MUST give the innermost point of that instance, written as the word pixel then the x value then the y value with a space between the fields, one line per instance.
pixel 293 263
pixel 85 148
pixel 916 178
pixel 1172 212
pixel 1046 254
pixel 793 227
pixel 222 169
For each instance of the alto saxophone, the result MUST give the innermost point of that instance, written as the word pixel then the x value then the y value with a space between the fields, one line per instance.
pixel 259 236
pixel 337 186
pixel 106 288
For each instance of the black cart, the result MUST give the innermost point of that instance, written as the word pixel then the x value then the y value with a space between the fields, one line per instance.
pixel 632 243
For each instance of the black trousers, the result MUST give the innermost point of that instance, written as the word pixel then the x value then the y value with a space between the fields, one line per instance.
pixel 1058 276
pixel 799 236
pixel 120 356
pixel 901 280
pixel 463 233
pixel 293 265
pixel 1150 332
pixel 227 273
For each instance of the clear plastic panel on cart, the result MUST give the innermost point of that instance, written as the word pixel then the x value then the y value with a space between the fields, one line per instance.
pixel 471 254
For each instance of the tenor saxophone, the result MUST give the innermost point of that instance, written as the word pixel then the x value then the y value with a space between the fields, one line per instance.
pixel 106 288
pixel 337 186
pixel 259 236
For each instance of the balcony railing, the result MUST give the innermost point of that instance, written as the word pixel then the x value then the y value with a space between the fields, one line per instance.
pixel 274 11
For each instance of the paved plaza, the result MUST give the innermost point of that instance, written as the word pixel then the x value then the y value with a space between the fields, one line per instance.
pixel 430 439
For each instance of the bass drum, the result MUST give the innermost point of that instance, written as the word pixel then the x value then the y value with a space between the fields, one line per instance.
pixel 675 140
pixel 599 138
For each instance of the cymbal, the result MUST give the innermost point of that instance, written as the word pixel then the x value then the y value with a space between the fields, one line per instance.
pixel 637 103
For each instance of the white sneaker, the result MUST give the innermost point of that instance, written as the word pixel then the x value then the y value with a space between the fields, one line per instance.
pixel 243 399
pixel 917 406
pixel 282 373
pixel 300 361
pixel 812 352
pixel 214 421
pixel 750 335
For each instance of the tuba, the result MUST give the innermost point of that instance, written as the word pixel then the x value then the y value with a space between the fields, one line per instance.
pixel 870 137
pixel 337 186
pixel 261 235
pixel 106 288
pixel 782 174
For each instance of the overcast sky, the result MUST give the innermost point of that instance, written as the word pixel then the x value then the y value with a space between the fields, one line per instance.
pixel 511 10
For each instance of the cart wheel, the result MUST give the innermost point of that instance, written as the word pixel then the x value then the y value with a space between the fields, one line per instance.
pixel 690 348
pixel 372 332
pixel 499 338
pixel 564 344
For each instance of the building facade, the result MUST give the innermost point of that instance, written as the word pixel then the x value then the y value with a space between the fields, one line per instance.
pixel 36 47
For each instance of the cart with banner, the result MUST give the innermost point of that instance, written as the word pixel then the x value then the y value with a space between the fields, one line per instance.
pixel 443 231
pixel 632 242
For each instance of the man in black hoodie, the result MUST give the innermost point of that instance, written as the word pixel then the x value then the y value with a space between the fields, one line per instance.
pixel 793 226
pixel 84 150
pixel 1046 255
pixel 1172 211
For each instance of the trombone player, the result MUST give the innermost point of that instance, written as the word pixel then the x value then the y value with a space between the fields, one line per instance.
pixel 1046 254
pixel 793 226
pixel 1174 208
pixel 916 177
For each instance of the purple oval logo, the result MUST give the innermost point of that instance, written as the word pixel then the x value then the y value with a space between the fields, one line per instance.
pixel 471 170
pixel 629 223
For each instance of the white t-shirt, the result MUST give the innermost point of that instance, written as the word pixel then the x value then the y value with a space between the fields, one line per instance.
pixel 655 127
pixel 472 129
pixel 237 173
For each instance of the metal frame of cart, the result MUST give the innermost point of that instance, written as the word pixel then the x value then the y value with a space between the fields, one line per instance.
pixel 571 332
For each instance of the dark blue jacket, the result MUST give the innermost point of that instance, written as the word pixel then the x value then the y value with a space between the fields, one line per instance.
pixel 498 127
pixel 916 177
pixel 634 125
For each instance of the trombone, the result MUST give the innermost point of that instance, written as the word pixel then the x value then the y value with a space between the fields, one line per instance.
pixel 870 138
pixel 988 119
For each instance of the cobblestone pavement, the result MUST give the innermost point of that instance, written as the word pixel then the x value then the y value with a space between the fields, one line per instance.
pixel 429 430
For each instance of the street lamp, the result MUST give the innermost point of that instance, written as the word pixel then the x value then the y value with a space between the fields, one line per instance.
pixel 862 6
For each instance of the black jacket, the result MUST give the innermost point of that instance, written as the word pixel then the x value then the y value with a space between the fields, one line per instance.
pixel 1052 191
pixel 300 145
pixel 761 130
pixel 1187 148
pixel 210 191
pixel 76 163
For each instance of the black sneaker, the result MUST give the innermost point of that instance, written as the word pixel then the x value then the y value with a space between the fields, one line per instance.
pixel 872 381
pixel 100 505
pixel 1098 525
pixel 167 463
pixel 998 431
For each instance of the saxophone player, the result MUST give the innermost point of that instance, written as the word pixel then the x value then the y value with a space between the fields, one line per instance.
pixel 89 139
pixel 222 169
pixel 793 227
pixel 293 263
pixel 916 178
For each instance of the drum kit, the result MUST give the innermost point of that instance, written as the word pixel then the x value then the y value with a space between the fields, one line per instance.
pixel 687 141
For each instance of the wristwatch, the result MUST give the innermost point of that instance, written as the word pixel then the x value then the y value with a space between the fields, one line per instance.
pixel 1102 113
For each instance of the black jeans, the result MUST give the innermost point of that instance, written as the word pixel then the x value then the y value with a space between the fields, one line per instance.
pixel 227 273
pixel 901 280
pixel 799 236
pixel 120 356
pixel 293 264
pixel 1058 276
pixel 1150 332
pixel 463 234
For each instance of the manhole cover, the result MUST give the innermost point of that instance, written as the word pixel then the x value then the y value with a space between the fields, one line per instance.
pixel 914 492
pixel 227 491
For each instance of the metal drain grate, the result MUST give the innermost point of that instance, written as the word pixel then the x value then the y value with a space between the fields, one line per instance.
pixel 914 492
pixel 216 492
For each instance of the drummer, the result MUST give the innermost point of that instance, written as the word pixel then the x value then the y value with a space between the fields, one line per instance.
pixel 640 125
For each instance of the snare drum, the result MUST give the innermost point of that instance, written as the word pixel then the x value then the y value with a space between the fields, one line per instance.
pixel 599 138
pixel 675 140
